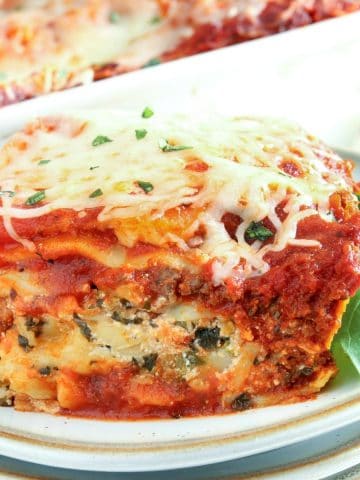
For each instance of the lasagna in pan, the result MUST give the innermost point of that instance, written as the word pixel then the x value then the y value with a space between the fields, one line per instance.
pixel 50 45
pixel 164 266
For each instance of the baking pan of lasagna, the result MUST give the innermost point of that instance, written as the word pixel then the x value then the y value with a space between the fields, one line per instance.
pixel 175 263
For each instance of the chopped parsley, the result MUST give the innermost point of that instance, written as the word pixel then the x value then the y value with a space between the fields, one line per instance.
pixel 242 402
pixel 165 146
pixel 96 193
pixel 150 361
pixel 36 198
pixel 146 186
pixel 45 371
pixel 141 133
pixel 84 327
pixel 44 162
pixel 147 112
pixel 152 62
pixel 209 338
pixel 100 140
pixel 191 360
pixel 358 197
pixel 93 168
pixel 24 343
pixel 7 193
pixel 114 17
pixel 155 19
pixel 257 231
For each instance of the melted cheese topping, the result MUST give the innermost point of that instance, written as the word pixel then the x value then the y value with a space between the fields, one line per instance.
pixel 57 39
pixel 241 172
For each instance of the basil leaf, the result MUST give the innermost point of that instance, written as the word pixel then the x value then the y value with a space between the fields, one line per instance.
pixel 96 193
pixel 257 231
pixel 165 146
pixel 100 139
pixel 141 133
pixel 147 112
pixel 146 186
pixel 348 337
pixel 36 198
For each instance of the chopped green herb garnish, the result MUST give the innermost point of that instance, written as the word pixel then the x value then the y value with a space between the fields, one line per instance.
pixel 181 323
pixel 140 133
pixel 146 186
pixel 155 19
pixel 152 63
pixel 45 371
pixel 149 361
pixel 7 193
pixel 257 231
pixel 126 303
pixel 100 140
pixel 44 162
pixel 84 327
pixel 96 193
pixel 242 402
pixel 93 168
pixel 165 146
pixel 358 197
pixel 24 343
pixel 147 112
pixel 36 198
pixel 209 338
pixel 114 17
pixel 191 360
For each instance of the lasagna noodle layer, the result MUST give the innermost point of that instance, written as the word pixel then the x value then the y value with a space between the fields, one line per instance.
pixel 214 282
pixel 48 46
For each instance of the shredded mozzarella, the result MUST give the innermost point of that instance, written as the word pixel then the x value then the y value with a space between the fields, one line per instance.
pixel 244 177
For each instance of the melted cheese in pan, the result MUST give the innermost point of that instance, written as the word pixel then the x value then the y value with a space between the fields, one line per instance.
pixel 63 37
pixel 241 172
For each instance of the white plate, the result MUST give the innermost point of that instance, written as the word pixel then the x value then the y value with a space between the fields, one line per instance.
pixel 336 455
pixel 310 75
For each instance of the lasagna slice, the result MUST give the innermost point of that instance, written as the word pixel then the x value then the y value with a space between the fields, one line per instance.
pixel 50 45
pixel 156 266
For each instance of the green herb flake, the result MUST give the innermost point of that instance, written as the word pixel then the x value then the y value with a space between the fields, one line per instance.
pixel 44 162
pixel 192 360
pixel 257 231
pixel 147 112
pixel 152 63
pixel 165 146
pixel 150 361
pixel 209 338
pixel 93 168
pixel 45 371
pixel 146 186
pixel 114 17
pixel 7 193
pixel 347 340
pixel 126 303
pixel 96 193
pixel 24 343
pixel 36 198
pixel 155 20
pixel 139 134
pixel 242 402
pixel 84 327
pixel 100 140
